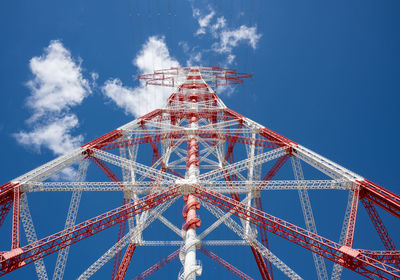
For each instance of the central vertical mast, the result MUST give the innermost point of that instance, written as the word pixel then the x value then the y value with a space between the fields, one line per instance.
pixel 191 88
pixel 194 103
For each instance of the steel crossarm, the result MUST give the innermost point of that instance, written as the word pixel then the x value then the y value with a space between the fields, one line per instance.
pixel 157 266
pixel 30 233
pixel 49 169
pixel 348 257
pixel 123 267
pixel 250 240
pixel 204 242
pixel 385 199
pixel 272 185
pixel 71 219
pixel 141 169
pixel 19 257
pixel 218 186
pixel 274 137
pixel 108 186
pixel 308 217
pixel 324 165
pixel 243 164
pixel 379 225
pixel 390 257
pixel 225 264
pixel 131 235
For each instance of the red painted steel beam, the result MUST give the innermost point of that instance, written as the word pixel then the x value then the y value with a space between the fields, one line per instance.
pixel 264 237
pixel 14 259
pixel 274 137
pixel 117 257
pixel 261 264
pixel 7 188
pixel 348 257
pixel 101 141
pixel 154 146
pixel 157 266
pixel 120 275
pixel 149 116
pixel 380 228
pixel 6 203
pixel 385 199
pixel 16 241
pixel 122 225
pixel 389 257
pixel 262 267
pixel 348 241
pixel 263 232
pixel 225 264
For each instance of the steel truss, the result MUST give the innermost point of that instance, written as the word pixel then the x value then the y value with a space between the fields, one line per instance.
pixel 216 160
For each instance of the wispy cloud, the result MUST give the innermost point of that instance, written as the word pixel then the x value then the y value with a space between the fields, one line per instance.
pixel 57 86
pixel 224 39
pixel 55 135
pixel 203 20
pixel 140 100
pixel 231 38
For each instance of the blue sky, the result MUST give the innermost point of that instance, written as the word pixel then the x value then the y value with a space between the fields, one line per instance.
pixel 325 75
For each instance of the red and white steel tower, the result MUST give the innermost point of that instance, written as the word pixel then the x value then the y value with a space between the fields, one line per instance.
pixel 215 159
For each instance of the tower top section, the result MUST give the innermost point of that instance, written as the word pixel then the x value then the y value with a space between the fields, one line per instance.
pixel 176 76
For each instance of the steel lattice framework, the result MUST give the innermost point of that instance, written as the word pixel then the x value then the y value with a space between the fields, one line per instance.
pixel 217 160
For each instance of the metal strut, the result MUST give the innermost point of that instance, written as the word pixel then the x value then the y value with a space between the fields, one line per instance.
pixel 157 266
pixel 319 262
pixel 71 220
pixel 225 264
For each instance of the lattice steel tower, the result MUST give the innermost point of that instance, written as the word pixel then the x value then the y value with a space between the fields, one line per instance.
pixel 217 160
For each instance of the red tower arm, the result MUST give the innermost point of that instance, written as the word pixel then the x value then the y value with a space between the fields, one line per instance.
pixel 381 197
pixel 123 267
pixel 16 258
pixel 351 258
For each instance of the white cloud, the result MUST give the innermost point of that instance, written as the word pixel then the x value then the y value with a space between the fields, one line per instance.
pixel 231 38
pixel 154 56
pixel 55 135
pixel 184 45
pixel 203 21
pixel 58 83
pixel 138 101
pixel 221 23
pixel 225 39
pixel 57 86
pixel 194 59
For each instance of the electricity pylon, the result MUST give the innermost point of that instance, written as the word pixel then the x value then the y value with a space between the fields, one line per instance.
pixel 217 160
